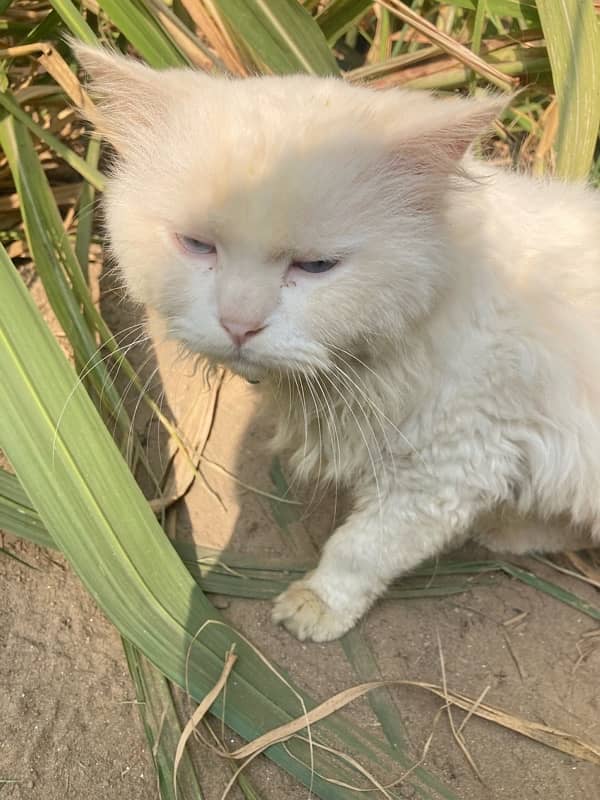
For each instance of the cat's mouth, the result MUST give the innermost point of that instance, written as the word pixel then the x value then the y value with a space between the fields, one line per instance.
pixel 255 368
pixel 246 369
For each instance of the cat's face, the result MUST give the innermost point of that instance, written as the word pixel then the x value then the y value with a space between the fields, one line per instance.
pixel 272 222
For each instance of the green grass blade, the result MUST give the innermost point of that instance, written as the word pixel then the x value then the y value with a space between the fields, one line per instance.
pixel 280 34
pixel 155 703
pixel 162 727
pixel 86 170
pixel 17 515
pixel 532 63
pixel 64 281
pixel 551 589
pixel 85 216
pixel 54 258
pixel 44 30
pixel 518 9
pixel 144 33
pixel 381 701
pixel 573 41
pixel 74 21
pixel 340 15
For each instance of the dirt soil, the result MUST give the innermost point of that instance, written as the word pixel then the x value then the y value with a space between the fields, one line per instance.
pixel 70 727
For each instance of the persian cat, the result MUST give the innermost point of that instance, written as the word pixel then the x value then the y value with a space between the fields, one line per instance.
pixel 428 323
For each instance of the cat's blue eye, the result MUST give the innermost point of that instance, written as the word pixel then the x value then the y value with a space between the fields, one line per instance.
pixel 320 265
pixel 196 246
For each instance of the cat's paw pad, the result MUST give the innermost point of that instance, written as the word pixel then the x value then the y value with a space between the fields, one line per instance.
pixel 307 616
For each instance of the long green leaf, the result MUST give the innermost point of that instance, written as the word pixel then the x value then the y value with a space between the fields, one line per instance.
pixel 551 589
pixel 17 515
pixel 571 32
pixel 531 64
pixel 74 21
pixel 521 9
pixel 162 727
pixel 280 34
pixel 52 253
pixel 144 33
pixel 87 171
pixel 85 217
pixel 339 15
pixel 64 280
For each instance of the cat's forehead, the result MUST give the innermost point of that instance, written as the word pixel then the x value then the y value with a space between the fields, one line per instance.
pixel 258 120
pixel 270 159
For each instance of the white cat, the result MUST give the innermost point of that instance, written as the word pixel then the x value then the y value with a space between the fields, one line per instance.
pixel 429 324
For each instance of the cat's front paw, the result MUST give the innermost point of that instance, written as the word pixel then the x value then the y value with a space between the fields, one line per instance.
pixel 307 616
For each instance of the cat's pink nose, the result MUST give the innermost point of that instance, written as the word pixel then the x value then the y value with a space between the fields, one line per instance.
pixel 240 332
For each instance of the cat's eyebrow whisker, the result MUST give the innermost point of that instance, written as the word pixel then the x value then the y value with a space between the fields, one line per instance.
pixel 279 379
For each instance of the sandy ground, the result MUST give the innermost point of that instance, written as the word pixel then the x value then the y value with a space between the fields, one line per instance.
pixel 70 728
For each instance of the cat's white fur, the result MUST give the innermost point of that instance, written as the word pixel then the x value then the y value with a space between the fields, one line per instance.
pixel 447 369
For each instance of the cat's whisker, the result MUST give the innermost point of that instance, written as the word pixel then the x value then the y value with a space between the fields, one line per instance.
pixel 119 362
pixel 121 404
pixel 379 411
pixel 300 390
pixel 352 396
pixel 330 346
pixel 288 387
pixel 160 401
pixel 348 405
pixel 335 440
pixel 320 465
pixel 131 433
pixel 113 374
pixel 352 387
pixel 89 366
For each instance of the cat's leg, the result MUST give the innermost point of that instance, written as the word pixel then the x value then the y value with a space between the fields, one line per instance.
pixel 387 536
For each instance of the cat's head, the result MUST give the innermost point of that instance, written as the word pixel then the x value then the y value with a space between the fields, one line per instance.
pixel 271 221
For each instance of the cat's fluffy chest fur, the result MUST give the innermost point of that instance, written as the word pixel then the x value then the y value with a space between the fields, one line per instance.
pixel 427 324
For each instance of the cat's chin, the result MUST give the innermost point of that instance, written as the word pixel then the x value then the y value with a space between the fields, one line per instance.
pixel 244 369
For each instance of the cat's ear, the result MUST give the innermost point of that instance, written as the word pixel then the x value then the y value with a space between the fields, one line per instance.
pixel 439 140
pixel 129 97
